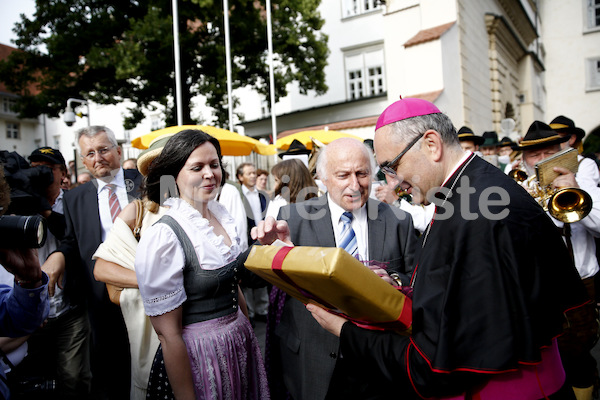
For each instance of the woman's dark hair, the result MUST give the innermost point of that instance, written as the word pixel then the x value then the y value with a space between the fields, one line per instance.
pixel 294 175
pixel 172 159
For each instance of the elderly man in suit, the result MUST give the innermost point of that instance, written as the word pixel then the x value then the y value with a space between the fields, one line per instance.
pixel 309 356
pixel 90 210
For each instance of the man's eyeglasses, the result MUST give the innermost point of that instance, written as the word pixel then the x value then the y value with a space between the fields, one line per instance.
pixel 389 167
pixel 102 152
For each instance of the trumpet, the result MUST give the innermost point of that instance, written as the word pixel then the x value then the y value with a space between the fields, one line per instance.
pixel 565 204
pixel 518 175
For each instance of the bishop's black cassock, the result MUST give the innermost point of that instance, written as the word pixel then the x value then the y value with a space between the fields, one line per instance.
pixel 489 293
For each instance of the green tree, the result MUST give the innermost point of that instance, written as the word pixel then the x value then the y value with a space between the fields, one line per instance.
pixel 109 51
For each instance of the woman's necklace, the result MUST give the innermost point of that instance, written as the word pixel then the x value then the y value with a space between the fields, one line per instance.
pixel 209 216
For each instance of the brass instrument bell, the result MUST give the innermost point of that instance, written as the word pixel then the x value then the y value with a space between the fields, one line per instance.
pixel 570 204
pixel 518 175
pixel 565 204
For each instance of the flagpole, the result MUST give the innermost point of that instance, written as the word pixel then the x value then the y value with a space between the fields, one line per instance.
pixel 271 73
pixel 228 62
pixel 177 63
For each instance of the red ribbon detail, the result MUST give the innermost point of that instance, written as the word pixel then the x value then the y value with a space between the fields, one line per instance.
pixel 277 267
pixel 402 323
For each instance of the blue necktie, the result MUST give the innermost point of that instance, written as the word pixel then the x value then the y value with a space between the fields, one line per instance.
pixel 348 237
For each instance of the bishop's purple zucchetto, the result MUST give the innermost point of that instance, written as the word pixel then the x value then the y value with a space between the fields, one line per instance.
pixel 405 108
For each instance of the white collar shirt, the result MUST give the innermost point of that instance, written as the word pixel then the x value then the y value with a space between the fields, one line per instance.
pixel 103 194
pixel 584 232
pixel 359 224
pixel 254 201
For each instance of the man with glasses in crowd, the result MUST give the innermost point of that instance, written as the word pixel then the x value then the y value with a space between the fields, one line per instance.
pixel 492 278
pixel 90 210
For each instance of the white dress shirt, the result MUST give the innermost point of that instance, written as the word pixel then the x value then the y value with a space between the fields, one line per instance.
pixel 421 214
pixel 587 171
pixel 254 201
pixel 585 231
pixel 359 224
pixel 275 205
pixel 231 199
pixel 103 194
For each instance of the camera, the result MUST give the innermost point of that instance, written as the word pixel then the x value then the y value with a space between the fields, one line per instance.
pixel 27 186
pixel 23 231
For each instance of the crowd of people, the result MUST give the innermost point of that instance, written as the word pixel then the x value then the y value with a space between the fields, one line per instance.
pixel 140 289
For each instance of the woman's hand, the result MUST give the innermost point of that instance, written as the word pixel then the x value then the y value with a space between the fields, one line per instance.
pixel 269 230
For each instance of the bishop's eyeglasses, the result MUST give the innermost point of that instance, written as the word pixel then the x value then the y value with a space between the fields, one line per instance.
pixel 389 167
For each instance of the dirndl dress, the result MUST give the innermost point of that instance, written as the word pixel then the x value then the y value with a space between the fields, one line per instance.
pixel 221 352
pixel 224 355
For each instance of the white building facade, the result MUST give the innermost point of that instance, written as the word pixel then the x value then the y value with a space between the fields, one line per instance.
pixel 480 61
pixel 571 35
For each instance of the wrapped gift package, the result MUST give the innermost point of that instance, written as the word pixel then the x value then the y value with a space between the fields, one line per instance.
pixel 332 278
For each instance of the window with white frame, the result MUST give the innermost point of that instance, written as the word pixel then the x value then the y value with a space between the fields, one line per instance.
pixel 355 84
pixel 265 109
pixel 365 73
pixel 9 105
pixel 356 7
pixel 375 80
pixel 12 130
pixel 593 73
pixel 593 14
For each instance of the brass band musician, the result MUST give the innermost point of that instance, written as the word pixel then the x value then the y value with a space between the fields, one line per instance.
pixel 565 127
pixel 539 143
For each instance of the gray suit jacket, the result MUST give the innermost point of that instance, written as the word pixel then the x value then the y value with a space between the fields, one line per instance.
pixel 308 352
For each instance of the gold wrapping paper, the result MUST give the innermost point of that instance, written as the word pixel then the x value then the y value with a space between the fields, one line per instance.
pixel 331 277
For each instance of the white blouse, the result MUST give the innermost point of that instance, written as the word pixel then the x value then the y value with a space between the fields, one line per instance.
pixel 160 260
pixel 275 205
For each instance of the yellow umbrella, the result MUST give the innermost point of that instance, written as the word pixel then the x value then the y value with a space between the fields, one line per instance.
pixel 232 144
pixel 324 136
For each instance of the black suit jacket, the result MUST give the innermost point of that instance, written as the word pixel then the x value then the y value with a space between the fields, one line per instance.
pixel 309 353
pixel 84 235
pixel 110 357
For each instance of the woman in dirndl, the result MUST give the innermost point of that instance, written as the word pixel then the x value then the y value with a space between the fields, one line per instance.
pixel 188 266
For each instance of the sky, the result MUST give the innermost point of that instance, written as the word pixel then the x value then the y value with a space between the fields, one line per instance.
pixel 10 10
